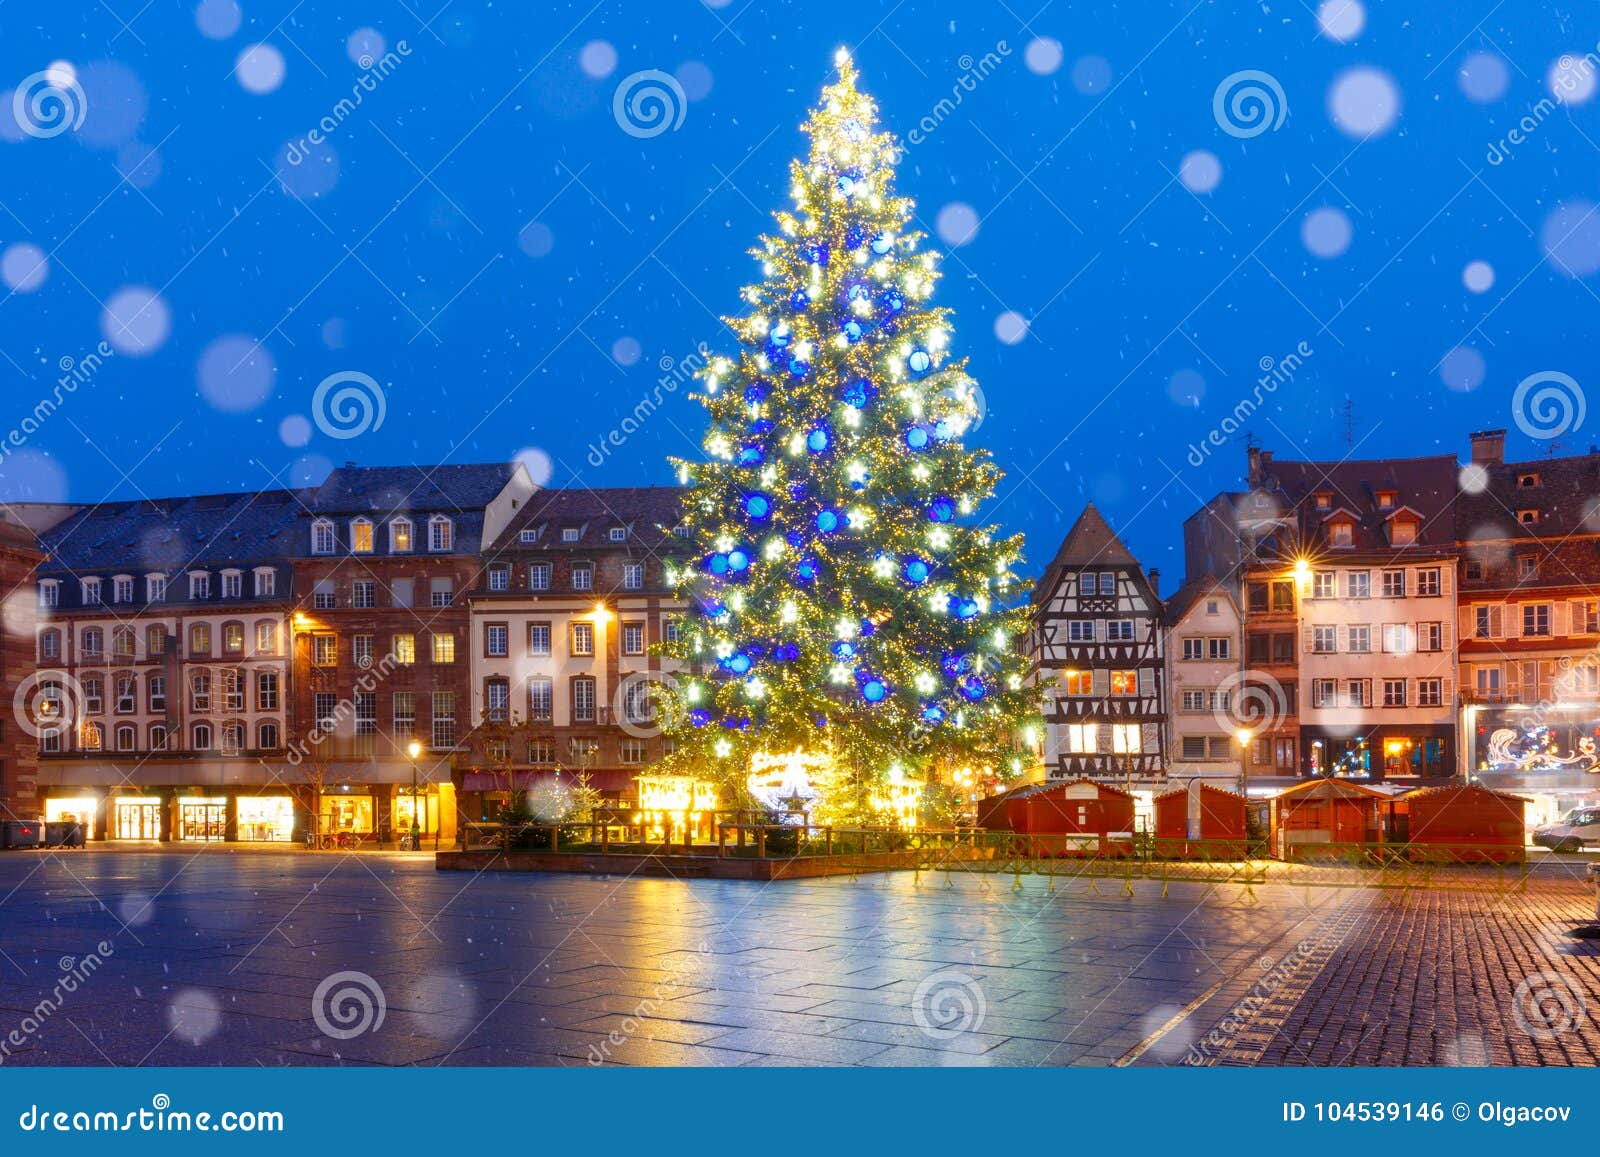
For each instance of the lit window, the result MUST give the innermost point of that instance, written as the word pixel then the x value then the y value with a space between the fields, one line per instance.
pixel 399 535
pixel 583 638
pixel 361 536
pixel 1124 682
pixel 444 647
pixel 1079 682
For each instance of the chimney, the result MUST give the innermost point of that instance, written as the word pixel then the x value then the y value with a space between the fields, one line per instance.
pixel 1155 581
pixel 1253 471
pixel 1488 447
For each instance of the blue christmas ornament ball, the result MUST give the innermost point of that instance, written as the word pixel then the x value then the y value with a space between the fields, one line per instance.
pixel 917 438
pixel 919 361
pixel 941 509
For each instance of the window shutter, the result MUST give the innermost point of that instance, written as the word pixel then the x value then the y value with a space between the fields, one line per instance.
pixel 1507 621
pixel 1446 692
pixel 1445 641
pixel 1147 681
pixel 1307 641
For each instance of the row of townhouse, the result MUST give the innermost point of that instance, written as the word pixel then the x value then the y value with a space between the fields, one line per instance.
pixel 1396 619
pixel 397 645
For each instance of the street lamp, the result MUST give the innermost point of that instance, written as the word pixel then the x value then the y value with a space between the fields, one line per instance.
pixel 1244 736
pixel 414 749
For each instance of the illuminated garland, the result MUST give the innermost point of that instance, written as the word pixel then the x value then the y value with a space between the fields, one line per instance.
pixel 845 596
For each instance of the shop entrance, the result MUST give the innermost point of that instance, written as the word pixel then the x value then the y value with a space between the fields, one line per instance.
pixel 136 819
pixel 268 817
pixel 202 819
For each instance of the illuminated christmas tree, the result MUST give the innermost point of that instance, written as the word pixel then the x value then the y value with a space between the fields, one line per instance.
pixel 848 605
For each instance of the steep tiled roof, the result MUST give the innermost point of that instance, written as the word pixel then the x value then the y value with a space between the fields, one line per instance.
pixel 383 490
pixel 1427 486
pixel 648 512
pixel 1090 542
pixel 1566 495
pixel 171 534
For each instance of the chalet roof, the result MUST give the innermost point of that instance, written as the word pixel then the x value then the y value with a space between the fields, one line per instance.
pixel 1454 788
pixel 1331 789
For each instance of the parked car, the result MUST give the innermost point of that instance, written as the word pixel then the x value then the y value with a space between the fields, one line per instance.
pixel 1571 832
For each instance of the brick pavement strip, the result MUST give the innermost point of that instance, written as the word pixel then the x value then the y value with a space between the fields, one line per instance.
pixel 218 959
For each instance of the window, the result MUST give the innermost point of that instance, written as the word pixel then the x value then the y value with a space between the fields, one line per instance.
pixel 324 650
pixel 583 752
pixel 1079 682
pixel 582 638
pixel 1360 636
pixel 672 630
pixel 200 639
pixel 1324 693
pixel 540 695
pixel 50 645
pixel 361 536
pixel 583 699
pixel 1527 517
pixel 1474 571
pixel 322 537
pixel 49 593
pixel 1430 692
pixel 541 751
pixel 496 698
pixel 405 649
pixel 325 710
pixel 127 694
pixel 1394 584
pixel 1430 636
pixel 363 594
pixel 582 577
pixel 1359 584
pixel 266 583
pixel 403 704
pixel 1080 631
pixel 50 740
pixel 1585 621
pixel 633 576
pixel 1108 582
pixel 124 642
pixel 619 534
pixel 155 690
pixel 441 537
pixel 155 641
pixel 1386 499
pixel 127 736
pixel 267 737
pixel 539 576
pixel 1219 648
pixel 199 584
pixel 1488 681
pixel 122 589
pixel 528 534
pixel 1283 596
pixel 1082 738
pixel 200 691
pixel 633 638
pixel 499 578
pixel 1255 598
pixel 1194 649
pixel 1324 500
pixel 632 751
pixel 1536 619
pixel 361 650
pixel 1486 622
pixel 1119 630
pixel 441 592
pixel 323 595
pixel 1427 583
pixel 494 640
pixel 1397 638
pixel 570 534
pixel 1195 701
pixel 232 584
pixel 233 690
pixel 91 591
pixel 1124 682
pixel 233 638
pixel 638 704
pixel 399 535
pixel 267 693
pixel 400 592
pixel 1358 693
pixel 266 638
pixel 94 699
pixel 1324 640
pixel 1402 532
pixel 91 736
pixel 444 647
pixel 94 642
pixel 1341 533
pixel 538 638
pixel 1126 738
pixel 158 737
pixel 1193 746
pixel 1527 566
pixel 1394 692
pixel 1324 585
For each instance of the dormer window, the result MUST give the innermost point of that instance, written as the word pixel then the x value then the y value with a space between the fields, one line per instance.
pixel 619 534
pixel 232 584
pixel 399 535
pixel 155 588
pixel 199 584
pixel 1527 517
pixel 1527 566
pixel 1527 481
pixel 570 534
pixel 1387 499
pixel 361 536
pixel 266 582
pixel 441 533
pixel 122 588
pixel 322 537
pixel 1341 533
pixel 91 592
pixel 1324 500
pixel 1402 532
pixel 528 534
pixel 49 592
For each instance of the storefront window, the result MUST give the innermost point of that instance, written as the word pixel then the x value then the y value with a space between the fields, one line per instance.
pixel 266 817
pixel 203 818
pixel 136 819
pixel 427 808
pixel 345 813
pixel 77 810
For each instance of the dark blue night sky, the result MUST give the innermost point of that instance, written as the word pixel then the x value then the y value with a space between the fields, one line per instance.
pixel 481 237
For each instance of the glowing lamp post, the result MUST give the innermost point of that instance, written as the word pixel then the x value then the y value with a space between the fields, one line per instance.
pixel 414 750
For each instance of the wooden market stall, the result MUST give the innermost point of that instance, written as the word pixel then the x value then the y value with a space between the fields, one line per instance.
pixel 1328 817
pixel 1201 822
pixel 1465 823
